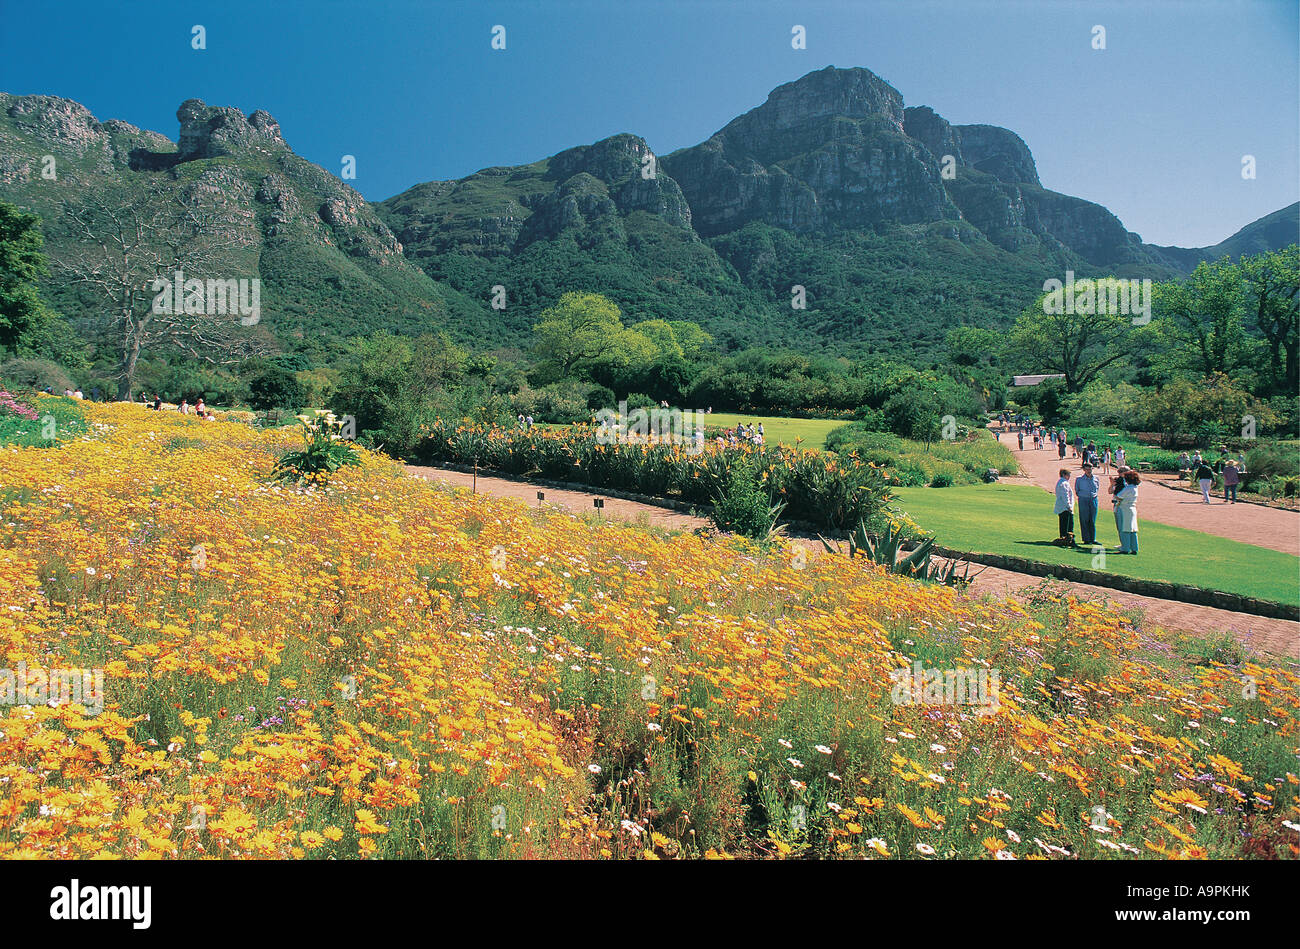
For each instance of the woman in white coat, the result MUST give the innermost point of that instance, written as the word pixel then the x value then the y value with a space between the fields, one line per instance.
pixel 1126 513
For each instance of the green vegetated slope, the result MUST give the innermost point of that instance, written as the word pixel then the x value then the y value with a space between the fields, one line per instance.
pixel 831 185
pixel 1017 520
pixel 329 267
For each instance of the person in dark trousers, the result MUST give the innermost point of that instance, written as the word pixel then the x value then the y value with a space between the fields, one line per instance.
pixel 1020 437
pixel 1231 478
pixel 1060 449
pixel 1086 488
pixel 1064 504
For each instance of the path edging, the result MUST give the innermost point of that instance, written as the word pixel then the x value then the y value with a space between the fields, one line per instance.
pixel 1156 589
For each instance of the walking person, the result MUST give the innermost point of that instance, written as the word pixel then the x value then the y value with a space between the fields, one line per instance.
pixel 1078 446
pixel 1086 489
pixel 1020 437
pixel 1065 506
pixel 1231 478
pixel 1126 513
pixel 1060 447
pixel 1205 475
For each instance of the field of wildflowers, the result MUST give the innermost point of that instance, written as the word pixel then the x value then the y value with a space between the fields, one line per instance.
pixel 375 667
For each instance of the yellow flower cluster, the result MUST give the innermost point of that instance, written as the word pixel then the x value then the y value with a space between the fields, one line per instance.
pixel 378 667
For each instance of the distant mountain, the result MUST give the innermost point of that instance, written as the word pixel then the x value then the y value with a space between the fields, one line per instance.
pixel 1270 232
pixel 329 266
pixel 895 223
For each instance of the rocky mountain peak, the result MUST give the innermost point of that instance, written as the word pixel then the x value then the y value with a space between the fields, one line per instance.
pixel 210 131
pixel 854 93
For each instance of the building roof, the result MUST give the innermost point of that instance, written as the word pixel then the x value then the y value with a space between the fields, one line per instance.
pixel 1034 380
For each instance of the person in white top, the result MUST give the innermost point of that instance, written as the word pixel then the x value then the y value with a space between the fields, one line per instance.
pixel 1065 504
pixel 1126 513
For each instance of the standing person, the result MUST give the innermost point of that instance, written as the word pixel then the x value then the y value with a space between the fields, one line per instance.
pixel 1126 513
pixel 1086 489
pixel 1064 504
pixel 1020 437
pixel 1105 461
pixel 1119 457
pixel 185 406
pixel 200 407
pixel 1184 464
pixel 1116 483
pixel 1241 463
pixel 1205 475
pixel 1078 446
pixel 1231 478
pixel 1060 447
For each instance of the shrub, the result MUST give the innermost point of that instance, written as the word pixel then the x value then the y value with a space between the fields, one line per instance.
pixel 941 480
pixel 827 490
pixel 37 374
pixel 743 507
pixel 276 389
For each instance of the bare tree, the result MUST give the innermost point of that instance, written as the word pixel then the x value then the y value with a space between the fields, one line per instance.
pixel 127 246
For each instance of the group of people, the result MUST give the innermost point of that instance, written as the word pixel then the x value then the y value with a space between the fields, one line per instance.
pixel 1232 470
pixel 753 434
pixel 199 408
pixel 525 422
pixel 1123 490
pixel 1098 457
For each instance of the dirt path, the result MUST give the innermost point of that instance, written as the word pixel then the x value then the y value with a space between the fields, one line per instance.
pixel 1276 636
pixel 1249 523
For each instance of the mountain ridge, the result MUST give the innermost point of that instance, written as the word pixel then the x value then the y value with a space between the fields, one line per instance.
pixel 897 222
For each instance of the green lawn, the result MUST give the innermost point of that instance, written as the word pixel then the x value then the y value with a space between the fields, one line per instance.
pixel 785 431
pixel 1017 520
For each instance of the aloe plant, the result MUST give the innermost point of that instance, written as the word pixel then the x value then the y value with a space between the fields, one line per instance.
pixel 916 564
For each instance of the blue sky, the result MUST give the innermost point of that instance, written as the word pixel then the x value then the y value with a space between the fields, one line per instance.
pixel 1154 126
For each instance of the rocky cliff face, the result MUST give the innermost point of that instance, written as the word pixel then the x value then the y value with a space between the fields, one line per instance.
pixel 209 131
pixel 299 225
pixel 836 150
pixel 828 151
pixel 496 211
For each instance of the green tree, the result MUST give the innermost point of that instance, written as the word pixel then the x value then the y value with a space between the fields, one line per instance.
pixel 580 328
pixel 22 264
pixel 1077 345
pixel 1204 313
pixel 1272 299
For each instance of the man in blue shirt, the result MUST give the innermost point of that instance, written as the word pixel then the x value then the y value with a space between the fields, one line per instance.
pixel 1086 488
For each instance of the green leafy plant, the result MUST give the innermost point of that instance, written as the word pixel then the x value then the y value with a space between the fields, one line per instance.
pixel 324 452
pixel 743 507
pixel 917 564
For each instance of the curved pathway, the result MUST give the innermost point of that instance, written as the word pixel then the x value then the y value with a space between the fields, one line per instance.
pixel 1280 637
pixel 1249 523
